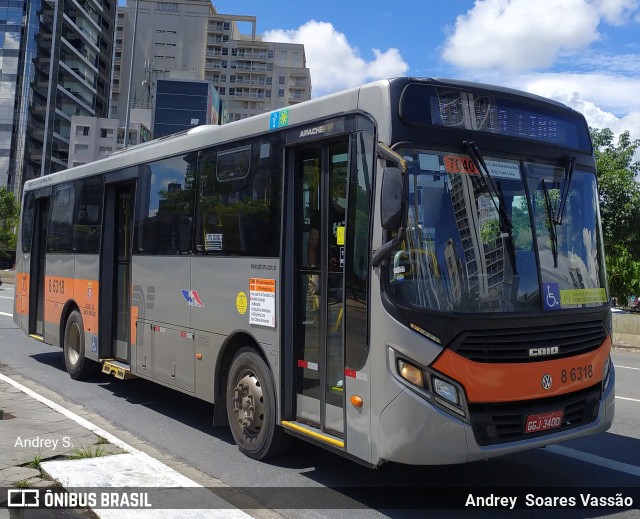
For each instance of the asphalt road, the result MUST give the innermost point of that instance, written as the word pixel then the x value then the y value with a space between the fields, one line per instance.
pixel 181 426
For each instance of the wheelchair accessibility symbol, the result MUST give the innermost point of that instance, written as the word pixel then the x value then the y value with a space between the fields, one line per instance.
pixel 551 296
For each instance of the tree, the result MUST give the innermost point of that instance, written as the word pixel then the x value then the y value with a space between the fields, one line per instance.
pixel 620 208
pixel 9 212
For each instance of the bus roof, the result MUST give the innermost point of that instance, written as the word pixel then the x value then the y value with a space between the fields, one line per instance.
pixel 375 96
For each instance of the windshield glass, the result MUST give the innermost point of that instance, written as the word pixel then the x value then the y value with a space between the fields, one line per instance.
pixel 460 255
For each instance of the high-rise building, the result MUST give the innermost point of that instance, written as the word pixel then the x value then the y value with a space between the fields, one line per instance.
pixel 56 62
pixel 252 76
pixel 181 104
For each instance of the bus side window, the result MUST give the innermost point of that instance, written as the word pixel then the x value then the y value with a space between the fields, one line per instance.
pixel 59 236
pixel 28 219
pixel 239 198
pixel 166 211
pixel 87 224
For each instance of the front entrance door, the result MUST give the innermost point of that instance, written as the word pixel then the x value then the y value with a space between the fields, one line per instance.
pixel 321 185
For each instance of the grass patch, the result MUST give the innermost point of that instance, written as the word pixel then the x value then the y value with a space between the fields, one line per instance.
pixel 35 462
pixel 22 484
pixel 95 451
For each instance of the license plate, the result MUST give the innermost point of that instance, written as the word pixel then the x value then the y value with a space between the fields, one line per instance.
pixel 543 421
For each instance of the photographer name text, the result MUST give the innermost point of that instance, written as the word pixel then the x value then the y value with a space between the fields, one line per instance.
pixel 43 443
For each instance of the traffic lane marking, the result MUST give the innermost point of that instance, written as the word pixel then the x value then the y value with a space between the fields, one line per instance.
pixel 626 398
pixel 619 466
pixel 626 367
pixel 5 313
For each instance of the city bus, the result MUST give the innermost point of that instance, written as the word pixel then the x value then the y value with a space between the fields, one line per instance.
pixel 411 271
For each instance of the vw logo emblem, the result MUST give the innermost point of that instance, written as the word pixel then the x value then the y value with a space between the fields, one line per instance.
pixel 547 382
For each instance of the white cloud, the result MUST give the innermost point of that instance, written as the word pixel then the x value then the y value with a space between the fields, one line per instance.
pixel 518 35
pixel 334 63
pixel 617 11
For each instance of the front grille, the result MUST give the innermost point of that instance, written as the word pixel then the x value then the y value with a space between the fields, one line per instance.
pixel 513 344
pixel 505 422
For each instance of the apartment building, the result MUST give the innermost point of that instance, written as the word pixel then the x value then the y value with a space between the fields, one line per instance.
pixel 94 138
pixel 251 76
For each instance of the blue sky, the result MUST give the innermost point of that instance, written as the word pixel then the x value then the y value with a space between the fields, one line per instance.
pixel 585 53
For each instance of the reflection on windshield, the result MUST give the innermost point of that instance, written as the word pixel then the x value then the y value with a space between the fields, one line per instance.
pixel 456 255
pixel 578 244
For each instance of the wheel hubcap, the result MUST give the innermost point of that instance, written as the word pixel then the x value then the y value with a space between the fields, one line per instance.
pixel 248 403
pixel 73 343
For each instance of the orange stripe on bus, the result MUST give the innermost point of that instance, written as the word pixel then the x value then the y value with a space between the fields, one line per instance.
pixel 485 382
pixel 133 323
pixel 59 290
pixel 22 293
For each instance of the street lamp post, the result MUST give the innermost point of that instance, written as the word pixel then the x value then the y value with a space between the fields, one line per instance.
pixel 133 47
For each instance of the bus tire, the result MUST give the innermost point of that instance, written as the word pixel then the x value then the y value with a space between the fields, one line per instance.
pixel 251 406
pixel 78 366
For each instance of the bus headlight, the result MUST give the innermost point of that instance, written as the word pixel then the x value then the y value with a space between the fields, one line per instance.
pixel 410 373
pixel 445 390
pixel 448 396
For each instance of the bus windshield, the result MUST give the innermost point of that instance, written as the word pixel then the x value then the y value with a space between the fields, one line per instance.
pixel 460 255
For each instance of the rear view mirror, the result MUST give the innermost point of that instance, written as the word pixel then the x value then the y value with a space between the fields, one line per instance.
pixel 391 207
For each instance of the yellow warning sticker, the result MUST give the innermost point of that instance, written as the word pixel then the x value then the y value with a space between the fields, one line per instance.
pixel 583 296
pixel 241 303
pixel 340 235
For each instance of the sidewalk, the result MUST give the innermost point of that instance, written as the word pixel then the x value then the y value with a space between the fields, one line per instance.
pixel 39 438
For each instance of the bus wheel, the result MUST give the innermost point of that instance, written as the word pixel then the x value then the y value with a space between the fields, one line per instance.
pixel 78 366
pixel 251 406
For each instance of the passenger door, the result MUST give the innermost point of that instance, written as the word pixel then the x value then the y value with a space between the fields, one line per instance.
pixel 38 267
pixel 321 175
pixel 115 275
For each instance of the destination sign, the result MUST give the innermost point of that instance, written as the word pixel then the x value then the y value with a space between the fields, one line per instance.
pixel 494 112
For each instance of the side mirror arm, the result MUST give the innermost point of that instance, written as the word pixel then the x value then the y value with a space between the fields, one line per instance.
pixel 381 253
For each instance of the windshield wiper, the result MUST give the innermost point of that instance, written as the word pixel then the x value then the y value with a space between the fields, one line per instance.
pixel 481 166
pixel 552 224
pixel 505 222
pixel 568 174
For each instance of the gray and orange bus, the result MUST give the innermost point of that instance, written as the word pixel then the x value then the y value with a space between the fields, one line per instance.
pixel 409 271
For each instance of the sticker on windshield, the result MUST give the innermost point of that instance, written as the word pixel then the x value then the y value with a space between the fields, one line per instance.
pixel 459 164
pixel 429 162
pixel 550 296
pixel 583 296
pixel 499 169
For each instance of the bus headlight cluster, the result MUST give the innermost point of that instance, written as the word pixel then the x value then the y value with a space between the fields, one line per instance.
pixel 446 394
